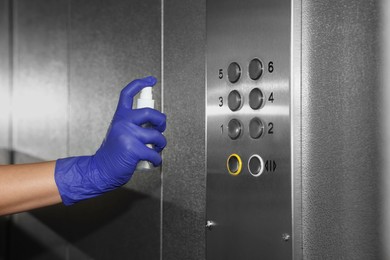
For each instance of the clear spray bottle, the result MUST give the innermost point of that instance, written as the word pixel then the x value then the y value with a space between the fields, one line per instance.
pixel 145 100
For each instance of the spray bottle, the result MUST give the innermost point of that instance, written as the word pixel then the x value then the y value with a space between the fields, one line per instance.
pixel 145 100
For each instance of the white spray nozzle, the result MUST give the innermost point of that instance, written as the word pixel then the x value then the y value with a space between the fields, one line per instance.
pixel 146 98
pixel 146 93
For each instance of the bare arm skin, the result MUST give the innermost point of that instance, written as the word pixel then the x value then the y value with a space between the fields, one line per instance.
pixel 27 186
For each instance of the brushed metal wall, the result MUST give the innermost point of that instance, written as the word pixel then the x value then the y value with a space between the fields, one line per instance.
pixel 40 93
pixel 112 43
pixel 340 129
pixel 71 60
pixel 183 176
pixel 81 54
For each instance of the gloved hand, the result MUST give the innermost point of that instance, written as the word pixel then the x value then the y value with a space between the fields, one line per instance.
pixel 113 164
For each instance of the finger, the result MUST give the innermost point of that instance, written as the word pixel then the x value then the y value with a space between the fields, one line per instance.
pixel 147 115
pixel 128 92
pixel 152 136
pixel 150 155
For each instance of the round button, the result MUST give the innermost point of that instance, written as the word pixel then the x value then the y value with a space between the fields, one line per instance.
pixel 256 98
pixel 255 69
pixel 256 128
pixel 234 164
pixel 234 72
pixel 255 165
pixel 234 100
pixel 234 129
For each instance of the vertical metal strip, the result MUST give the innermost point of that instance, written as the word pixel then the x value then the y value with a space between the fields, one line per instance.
pixel 385 119
pixel 296 125
pixel 68 49
pixel 162 110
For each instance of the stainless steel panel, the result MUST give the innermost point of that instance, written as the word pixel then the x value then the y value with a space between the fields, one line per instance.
pixel 341 164
pixel 40 94
pixel 112 43
pixel 109 45
pixel 183 176
pixel 253 215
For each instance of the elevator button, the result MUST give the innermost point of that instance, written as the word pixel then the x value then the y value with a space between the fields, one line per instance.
pixel 234 129
pixel 234 164
pixel 234 100
pixel 234 72
pixel 255 165
pixel 255 69
pixel 256 98
pixel 256 128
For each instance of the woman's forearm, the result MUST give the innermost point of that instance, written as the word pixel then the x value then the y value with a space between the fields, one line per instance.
pixel 27 186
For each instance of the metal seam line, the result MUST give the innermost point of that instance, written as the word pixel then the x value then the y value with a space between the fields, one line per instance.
pixel 162 110
pixel 68 33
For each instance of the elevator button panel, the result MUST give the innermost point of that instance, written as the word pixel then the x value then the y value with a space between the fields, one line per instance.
pixel 248 157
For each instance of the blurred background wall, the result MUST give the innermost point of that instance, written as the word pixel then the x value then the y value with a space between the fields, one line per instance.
pixel 62 66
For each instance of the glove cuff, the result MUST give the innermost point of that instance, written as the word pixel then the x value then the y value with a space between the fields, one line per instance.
pixel 74 177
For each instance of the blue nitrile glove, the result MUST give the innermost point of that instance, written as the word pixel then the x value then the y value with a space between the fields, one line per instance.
pixel 113 164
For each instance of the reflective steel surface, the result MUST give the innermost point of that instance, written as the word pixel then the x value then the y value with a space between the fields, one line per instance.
pixel 252 215
pixel 342 97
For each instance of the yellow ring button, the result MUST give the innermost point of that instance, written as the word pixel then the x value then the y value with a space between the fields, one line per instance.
pixel 234 164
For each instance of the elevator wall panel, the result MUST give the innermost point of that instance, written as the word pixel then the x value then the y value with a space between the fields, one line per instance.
pixel 40 94
pixel 340 143
pixel 112 43
pixel 184 103
pixel 40 104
